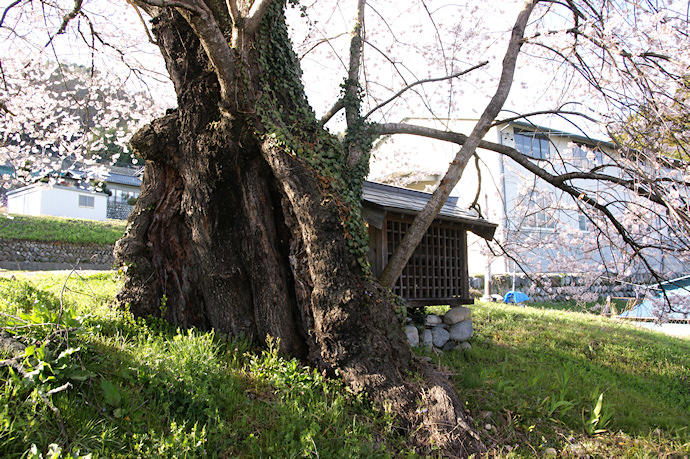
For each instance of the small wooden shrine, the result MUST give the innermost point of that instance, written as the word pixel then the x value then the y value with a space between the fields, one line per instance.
pixel 437 272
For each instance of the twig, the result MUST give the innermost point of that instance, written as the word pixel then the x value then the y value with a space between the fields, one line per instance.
pixel 19 327
pixel 143 22
pixel 427 80
pixel 11 316
pixel 62 294
pixel 65 386
pixel 14 363
pixel 54 409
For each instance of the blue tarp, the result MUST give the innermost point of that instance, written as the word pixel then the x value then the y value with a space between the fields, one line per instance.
pixel 646 310
pixel 515 297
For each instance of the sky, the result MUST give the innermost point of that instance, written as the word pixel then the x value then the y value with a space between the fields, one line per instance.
pixel 406 41
pixel 402 31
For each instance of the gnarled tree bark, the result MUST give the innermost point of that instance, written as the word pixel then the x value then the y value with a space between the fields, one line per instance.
pixel 240 228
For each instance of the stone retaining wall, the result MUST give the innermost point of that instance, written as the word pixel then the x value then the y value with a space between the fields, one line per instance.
pixel 18 254
pixel 559 287
pixel 119 210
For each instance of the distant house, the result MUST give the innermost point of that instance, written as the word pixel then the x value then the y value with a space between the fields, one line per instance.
pixel 437 272
pixel 124 185
pixel 119 189
pixel 57 201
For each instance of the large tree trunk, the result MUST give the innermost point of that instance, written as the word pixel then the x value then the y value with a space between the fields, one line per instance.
pixel 240 230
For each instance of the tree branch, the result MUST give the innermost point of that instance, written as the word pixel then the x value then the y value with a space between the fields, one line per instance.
pixel 558 181
pixel 427 80
pixel 522 160
pixel 256 13
pixel 4 108
pixel 7 10
pixel 558 111
pixel 351 98
pixel 143 22
pixel 216 47
pixel 339 105
pixel 69 16
pixel 182 5
pixel 422 222
pixel 234 11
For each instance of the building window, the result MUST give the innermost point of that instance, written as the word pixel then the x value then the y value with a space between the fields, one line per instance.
pixel 532 144
pixel 584 157
pixel 539 214
pixel 87 201
pixel 584 223
pixel 121 196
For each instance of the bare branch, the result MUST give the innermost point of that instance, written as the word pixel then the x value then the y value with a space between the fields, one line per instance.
pixel 71 15
pixel 143 22
pixel 234 10
pixel 4 108
pixel 339 105
pixel 7 10
pixel 427 80
pixel 351 98
pixel 321 42
pixel 256 13
pixel 524 161
pixel 558 111
pixel 186 6
pixel 216 46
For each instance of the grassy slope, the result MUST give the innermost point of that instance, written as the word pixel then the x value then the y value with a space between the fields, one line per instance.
pixel 149 390
pixel 73 230
pixel 538 374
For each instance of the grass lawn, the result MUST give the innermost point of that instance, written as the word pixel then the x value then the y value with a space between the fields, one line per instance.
pixel 110 385
pixel 578 383
pixel 78 231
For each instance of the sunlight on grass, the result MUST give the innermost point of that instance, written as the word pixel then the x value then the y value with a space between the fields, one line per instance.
pixel 137 388
pixel 536 381
pixel 78 231
pixel 546 378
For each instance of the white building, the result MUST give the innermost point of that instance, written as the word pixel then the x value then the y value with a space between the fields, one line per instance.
pixel 57 201
pixel 120 186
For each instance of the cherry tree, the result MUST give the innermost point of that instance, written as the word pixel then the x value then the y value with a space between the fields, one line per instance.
pixel 60 109
pixel 249 217
pixel 635 202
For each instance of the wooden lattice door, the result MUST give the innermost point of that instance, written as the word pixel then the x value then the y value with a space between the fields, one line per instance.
pixel 437 271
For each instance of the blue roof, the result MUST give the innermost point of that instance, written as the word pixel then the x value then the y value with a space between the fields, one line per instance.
pixel 6 170
pixel 679 286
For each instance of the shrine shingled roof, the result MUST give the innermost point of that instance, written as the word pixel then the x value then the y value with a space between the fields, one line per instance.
pixel 388 198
